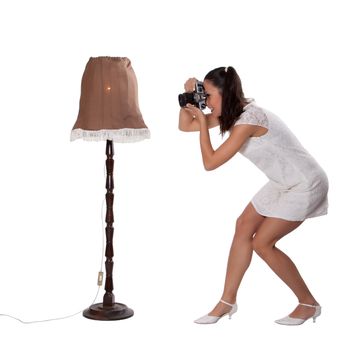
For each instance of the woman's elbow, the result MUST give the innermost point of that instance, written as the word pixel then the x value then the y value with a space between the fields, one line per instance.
pixel 183 126
pixel 209 166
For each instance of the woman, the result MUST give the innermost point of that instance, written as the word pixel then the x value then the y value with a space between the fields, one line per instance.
pixel 296 190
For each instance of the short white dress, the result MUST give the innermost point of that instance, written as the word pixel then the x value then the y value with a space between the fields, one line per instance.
pixel 297 187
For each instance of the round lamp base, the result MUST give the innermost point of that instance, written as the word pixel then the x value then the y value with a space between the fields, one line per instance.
pixel 115 312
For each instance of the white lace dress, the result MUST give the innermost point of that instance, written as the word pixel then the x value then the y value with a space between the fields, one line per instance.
pixel 297 187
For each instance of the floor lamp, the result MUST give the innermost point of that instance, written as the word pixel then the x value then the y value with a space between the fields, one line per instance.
pixel 109 111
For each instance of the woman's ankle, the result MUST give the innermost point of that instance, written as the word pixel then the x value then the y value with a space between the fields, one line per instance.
pixel 308 301
pixel 229 298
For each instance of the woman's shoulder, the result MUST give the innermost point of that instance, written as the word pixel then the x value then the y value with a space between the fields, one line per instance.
pixel 253 114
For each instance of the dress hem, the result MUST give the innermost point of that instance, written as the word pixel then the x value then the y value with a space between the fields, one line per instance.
pixel 269 215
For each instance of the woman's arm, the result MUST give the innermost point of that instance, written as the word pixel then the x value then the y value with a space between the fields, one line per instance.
pixel 187 122
pixel 212 159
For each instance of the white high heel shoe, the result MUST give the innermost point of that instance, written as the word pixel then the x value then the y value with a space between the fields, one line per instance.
pixel 207 319
pixel 292 321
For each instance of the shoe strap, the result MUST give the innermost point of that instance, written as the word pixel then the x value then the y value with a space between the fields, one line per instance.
pixel 307 305
pixel 225 302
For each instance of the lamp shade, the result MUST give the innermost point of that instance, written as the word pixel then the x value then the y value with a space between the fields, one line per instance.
pixel 109 108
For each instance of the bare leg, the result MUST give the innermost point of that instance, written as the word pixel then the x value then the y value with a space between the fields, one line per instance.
pixel 269 232
pixel 240 256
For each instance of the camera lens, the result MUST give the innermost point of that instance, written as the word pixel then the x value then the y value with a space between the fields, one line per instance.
pixel 185 98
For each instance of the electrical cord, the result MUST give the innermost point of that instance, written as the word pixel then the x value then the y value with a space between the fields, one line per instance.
pixel 99 282
pixel 51 319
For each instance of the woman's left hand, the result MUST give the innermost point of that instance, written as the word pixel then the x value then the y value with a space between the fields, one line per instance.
pixel 196 112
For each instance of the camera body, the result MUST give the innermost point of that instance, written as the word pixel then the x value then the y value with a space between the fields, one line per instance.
pixel 196 98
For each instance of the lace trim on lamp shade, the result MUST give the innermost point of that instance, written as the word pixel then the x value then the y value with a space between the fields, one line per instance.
pixel 117 135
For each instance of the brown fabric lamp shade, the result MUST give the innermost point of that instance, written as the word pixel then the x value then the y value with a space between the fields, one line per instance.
pixel 109 108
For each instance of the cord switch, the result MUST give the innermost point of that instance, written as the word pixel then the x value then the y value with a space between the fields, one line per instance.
pixel 100 278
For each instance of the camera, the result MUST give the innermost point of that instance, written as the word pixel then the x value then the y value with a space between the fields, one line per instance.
pixel 196 98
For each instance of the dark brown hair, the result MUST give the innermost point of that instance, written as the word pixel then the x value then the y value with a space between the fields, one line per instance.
pixel 229 84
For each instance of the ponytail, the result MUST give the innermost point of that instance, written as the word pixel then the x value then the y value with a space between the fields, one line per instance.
pixel 233 100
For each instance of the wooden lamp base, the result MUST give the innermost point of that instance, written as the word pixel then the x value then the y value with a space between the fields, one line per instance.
pixel 115 312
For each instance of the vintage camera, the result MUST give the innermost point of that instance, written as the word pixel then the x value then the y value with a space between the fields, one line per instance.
pixel 196 98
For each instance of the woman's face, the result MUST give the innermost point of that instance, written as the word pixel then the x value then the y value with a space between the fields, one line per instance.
pixel 214 98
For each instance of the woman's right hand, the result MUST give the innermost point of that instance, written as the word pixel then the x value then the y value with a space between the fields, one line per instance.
pixel 190 84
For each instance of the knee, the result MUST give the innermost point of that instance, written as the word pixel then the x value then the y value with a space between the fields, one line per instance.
pixel 243 228
pixel 261 246
pixel 240 222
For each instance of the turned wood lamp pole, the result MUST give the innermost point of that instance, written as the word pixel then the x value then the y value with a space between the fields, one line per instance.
pixel 109 111
pixel 109 309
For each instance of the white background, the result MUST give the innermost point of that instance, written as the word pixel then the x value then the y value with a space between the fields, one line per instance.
pixel 173 221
